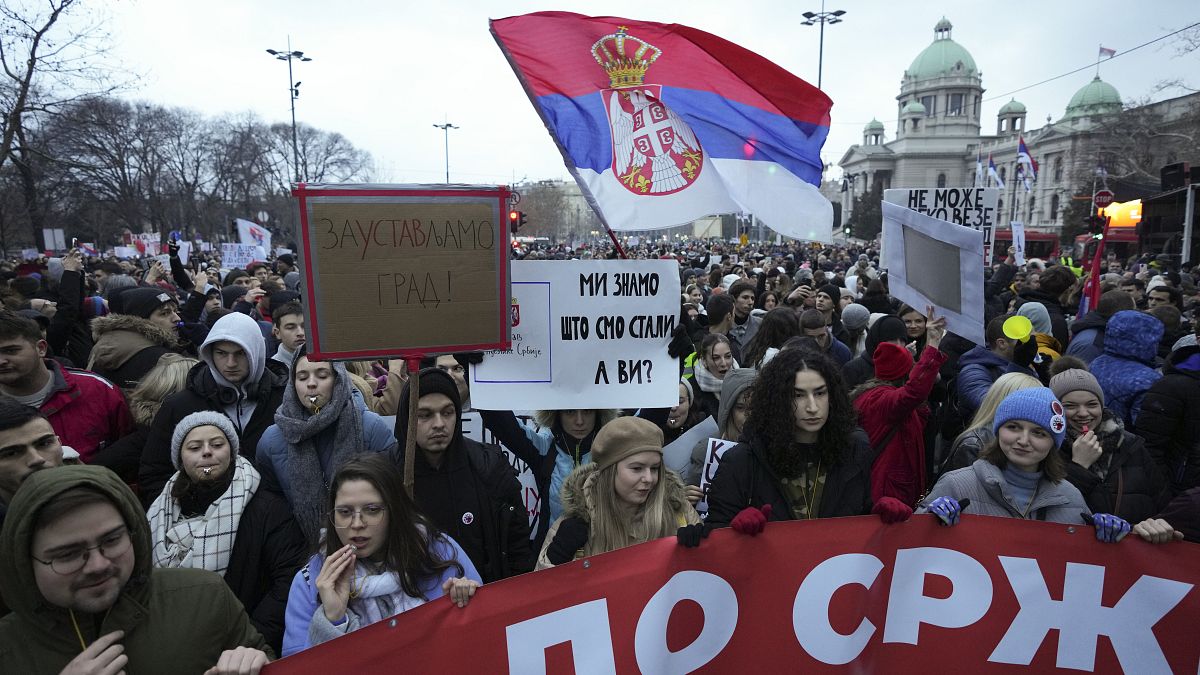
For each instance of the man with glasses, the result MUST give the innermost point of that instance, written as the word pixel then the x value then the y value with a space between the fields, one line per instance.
pixel 76 570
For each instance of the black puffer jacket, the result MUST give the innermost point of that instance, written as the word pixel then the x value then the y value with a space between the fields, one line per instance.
pixel 1125 481
pixel 267 551
pixel 1170 420
pixel 745 478
pixel 203 393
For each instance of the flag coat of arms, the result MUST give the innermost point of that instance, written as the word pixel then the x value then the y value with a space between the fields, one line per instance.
pixel 661 124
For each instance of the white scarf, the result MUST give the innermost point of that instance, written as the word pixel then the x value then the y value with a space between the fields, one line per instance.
pixel 707 381
pixel 379 596
pixel 204 541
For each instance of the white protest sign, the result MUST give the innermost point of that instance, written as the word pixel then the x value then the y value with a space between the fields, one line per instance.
pixel 677 454
pixel 585 334
pixel 970 207
pixel 238 255
pixel 54 238
pixel 933 262
pixel 205 246
pixel 185 251
pixel 1018 237
pixel 125 251
pixel 713 451
pixel 279 250
pixel 165 261
pixel 30 254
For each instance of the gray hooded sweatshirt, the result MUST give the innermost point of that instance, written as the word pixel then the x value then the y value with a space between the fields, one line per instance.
pixel 243 331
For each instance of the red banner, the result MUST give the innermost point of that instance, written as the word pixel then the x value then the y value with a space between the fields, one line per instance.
pixel 990 595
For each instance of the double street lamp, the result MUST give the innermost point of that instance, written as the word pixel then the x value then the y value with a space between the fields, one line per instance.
pixel 293 94
pixel 822 17
pixel 446 130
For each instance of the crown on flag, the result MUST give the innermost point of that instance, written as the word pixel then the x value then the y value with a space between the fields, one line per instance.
pixel 625 69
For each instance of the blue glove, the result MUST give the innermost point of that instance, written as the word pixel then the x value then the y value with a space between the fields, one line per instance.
pixel 1109 528
pixel 948 509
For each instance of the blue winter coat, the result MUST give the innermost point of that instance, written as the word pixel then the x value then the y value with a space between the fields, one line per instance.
pixel 1126 369
pixel 272 458
pixel 977 370
pixel 303 600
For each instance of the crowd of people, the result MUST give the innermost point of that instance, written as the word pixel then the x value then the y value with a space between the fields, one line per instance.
pixel 183 488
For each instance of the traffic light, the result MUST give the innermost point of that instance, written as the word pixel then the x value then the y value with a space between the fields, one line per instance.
pixel 1096 226
pixel 847 230
pixel 516 220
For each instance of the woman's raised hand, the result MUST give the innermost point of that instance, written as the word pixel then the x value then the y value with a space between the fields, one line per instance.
pixel 333 583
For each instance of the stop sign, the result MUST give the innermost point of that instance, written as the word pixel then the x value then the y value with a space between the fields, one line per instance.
pixel 1103 198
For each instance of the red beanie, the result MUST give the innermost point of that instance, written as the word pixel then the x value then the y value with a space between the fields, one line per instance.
pixel 892 362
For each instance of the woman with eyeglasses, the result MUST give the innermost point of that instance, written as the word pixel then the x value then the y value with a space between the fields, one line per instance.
pixel 213 515
pixel 379 557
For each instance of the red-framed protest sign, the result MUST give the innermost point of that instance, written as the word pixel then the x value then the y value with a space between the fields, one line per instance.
pixel 404 270
pixel 992 595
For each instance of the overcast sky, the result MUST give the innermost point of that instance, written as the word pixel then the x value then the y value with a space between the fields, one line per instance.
pixel 384 72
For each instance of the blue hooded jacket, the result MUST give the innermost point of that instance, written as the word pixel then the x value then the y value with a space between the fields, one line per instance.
pixel 977 370
pixel 1126 369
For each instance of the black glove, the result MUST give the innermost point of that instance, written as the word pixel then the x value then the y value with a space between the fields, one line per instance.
pixel 1025 352
pixel 681 343
pixel 690 535
pixel 571 536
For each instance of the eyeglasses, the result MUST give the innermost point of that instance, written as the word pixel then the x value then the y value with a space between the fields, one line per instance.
pixel 343 516
pixel 111 546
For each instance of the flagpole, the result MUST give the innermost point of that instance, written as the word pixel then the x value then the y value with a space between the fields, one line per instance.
pixel 1098 48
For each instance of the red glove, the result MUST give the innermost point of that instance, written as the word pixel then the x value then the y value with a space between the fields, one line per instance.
pixel 750 520
pixel 891 510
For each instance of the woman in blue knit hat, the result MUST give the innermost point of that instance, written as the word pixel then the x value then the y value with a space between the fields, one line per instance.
pixel 1021 474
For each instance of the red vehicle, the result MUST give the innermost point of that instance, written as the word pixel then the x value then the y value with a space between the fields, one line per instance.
pixel 1042 245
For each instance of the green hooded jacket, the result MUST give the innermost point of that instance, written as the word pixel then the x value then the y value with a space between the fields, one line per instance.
pixel 175 620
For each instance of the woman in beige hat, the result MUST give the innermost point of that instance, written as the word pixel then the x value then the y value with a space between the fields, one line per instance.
pixel 624 497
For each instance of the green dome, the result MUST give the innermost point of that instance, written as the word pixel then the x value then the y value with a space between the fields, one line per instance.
pixel 1095 98
pixel 913 106
pixel 1013 107
pixel 873 125
pixel 943 57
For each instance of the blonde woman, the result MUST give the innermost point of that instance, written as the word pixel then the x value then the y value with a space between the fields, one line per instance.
pixel 623 497
pixel 167 377
pixel 978 433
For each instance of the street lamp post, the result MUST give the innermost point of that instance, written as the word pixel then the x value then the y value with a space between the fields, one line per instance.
pixel 293 94
pixel 446 130
pixel 822 18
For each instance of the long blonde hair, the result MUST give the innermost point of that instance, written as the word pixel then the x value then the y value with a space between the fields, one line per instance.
pixel 167 377
pixel 1000 389
pixel 611 529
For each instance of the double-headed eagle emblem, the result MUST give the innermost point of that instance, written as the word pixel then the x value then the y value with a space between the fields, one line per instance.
pixel 654 151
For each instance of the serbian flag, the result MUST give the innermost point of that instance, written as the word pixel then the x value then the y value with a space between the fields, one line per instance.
pixel 661 123
pixel 252 233
pixel 89 250
pixel 993 174
pixel 1090 297
pixel 1023 157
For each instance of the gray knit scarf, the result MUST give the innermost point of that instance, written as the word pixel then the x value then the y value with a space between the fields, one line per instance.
pixel 300 427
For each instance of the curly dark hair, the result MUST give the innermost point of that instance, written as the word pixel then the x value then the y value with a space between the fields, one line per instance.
pixel 772 420
pixel 778 325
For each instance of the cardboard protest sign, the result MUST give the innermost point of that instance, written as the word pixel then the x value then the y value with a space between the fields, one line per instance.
pixel 933 262
pixel 1018 238
pixel 586 334
pixel 398 270
pixel 967 206
pixel 238 255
